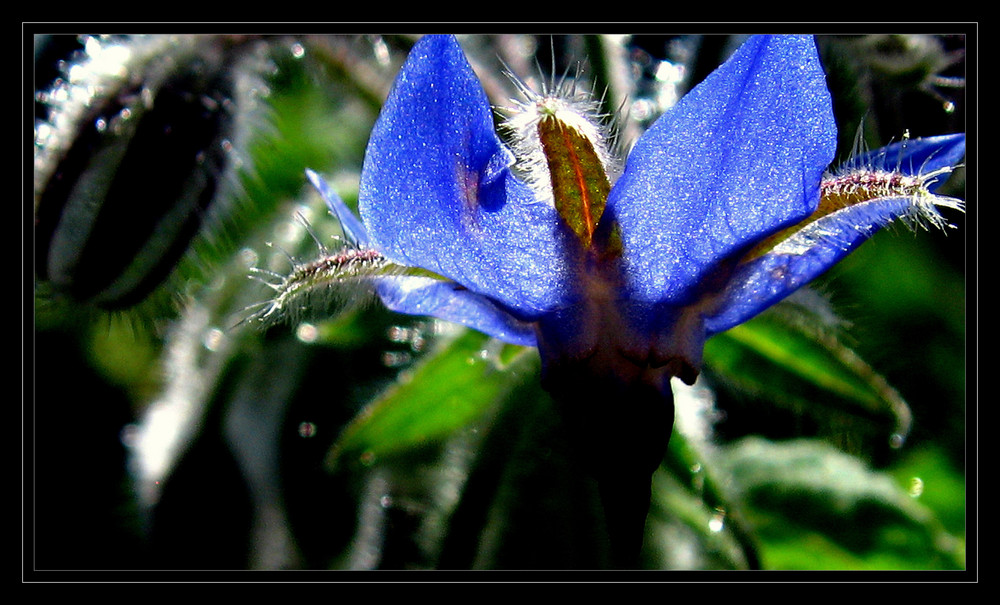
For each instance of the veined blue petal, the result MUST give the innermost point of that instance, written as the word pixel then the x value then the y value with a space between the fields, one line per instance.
pixel 739 157
pixel 437 191
pixel 451 302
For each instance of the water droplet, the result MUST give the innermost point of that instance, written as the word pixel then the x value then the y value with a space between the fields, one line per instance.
pixel 213 339
pixel 385 501
pixel 916 487
pixel 307 429
pixel 896 441
pixel 249 257
pixel 381 52
pixel 394 359
pixel 398 334
pixel 307 333
pixel 417 343
pixel 43 133
pixel 367 458
pixel 718 521
pixel 298 51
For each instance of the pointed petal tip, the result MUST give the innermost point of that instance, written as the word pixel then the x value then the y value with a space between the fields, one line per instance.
pixel 353 229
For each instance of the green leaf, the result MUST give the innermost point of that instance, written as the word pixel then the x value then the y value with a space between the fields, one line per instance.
pixel 692 524
pixel 809 370
pixel 445 392
pixel 931 478
pixel 814 507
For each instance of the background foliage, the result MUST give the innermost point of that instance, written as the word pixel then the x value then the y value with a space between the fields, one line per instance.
pixel 164 439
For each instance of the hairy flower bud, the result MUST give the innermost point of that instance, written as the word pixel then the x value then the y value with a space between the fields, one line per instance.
pixel 139 136
pixel 564 151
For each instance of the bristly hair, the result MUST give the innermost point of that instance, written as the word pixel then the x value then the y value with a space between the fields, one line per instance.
pixel 332 283
pixel 574 108
pixel 861 182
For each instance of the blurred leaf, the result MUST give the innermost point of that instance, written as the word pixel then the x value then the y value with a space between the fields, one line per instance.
pixel 808 370
pixel 813 507
pixel 446 391
pixel 692 524
pixel 931 478
pixel 906 301
pixel 125 356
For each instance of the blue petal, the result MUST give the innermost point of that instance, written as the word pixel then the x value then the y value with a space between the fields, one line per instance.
pixel 437 191
pixel 450 302
pixel 417 295
pixel 739 157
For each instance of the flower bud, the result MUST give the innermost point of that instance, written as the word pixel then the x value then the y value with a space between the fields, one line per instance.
pixel 139 135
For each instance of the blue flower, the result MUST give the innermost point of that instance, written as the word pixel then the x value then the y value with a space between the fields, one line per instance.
pixel 721 209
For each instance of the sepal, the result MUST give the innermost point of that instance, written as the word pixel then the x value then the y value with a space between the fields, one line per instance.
pixel 856 202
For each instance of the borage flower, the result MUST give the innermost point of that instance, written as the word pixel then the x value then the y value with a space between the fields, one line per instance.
pixel 721 209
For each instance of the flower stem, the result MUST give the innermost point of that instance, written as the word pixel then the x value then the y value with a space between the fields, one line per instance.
pixel 619 431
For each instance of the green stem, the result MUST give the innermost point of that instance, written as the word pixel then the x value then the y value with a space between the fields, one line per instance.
pixel 619 431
